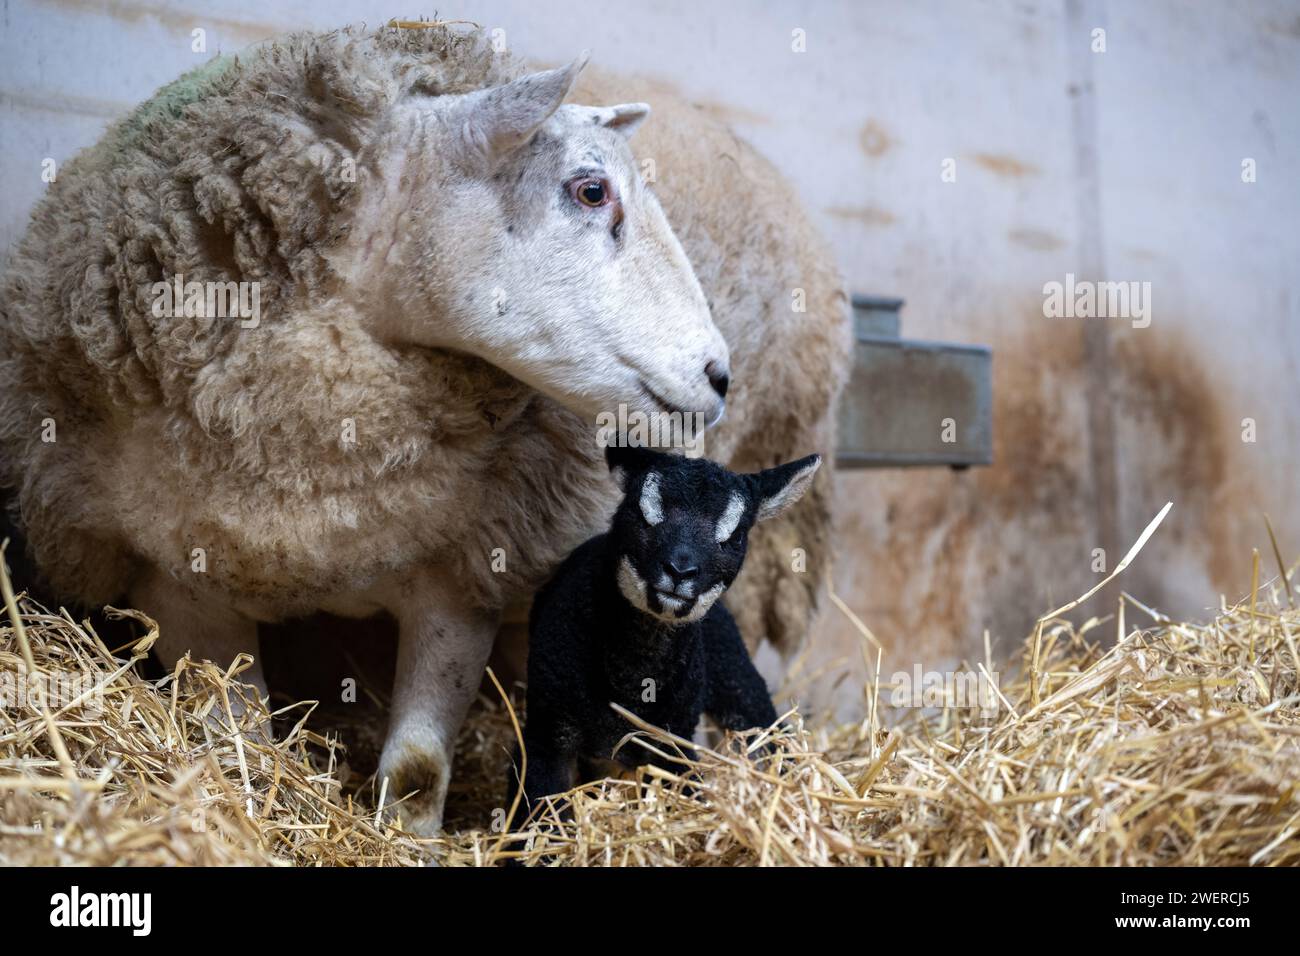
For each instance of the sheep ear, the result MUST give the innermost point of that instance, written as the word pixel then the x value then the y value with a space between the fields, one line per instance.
pixel 622 119
pixel 625 118
pixel 627 463
pixel 782 486
pixel 495 122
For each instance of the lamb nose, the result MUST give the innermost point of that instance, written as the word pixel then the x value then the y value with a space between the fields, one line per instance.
pixel 682 566
pixel 718 378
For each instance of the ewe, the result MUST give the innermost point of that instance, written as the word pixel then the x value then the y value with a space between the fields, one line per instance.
pixel 455 275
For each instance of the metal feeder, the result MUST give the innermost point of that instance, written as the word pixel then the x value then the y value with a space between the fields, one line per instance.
pixel 912 403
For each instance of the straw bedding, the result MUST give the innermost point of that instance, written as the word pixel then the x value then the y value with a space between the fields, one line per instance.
pixel 1130 741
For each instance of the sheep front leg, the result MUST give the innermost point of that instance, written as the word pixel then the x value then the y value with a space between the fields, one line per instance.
pixel 443 646
pixel 549 771
pixel 736 696
pixel 208 629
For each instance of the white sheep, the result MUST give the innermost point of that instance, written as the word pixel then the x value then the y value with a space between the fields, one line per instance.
pixel 454 274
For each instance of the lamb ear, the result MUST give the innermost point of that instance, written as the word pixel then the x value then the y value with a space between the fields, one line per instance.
pixel 495 122
pixel 782 486
pixel 627 463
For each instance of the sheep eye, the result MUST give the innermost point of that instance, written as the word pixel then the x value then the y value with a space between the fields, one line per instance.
pixel 591 192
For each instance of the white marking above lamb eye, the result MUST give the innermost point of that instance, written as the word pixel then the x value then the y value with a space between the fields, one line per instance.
pixel 652 506
pixel 730 518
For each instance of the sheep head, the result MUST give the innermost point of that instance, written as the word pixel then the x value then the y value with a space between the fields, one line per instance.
pixel 519 230
pixel 682 530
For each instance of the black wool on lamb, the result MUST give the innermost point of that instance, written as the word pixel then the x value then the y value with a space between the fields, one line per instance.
pixel 633 617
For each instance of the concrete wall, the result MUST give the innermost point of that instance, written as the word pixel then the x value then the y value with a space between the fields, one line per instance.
pixel 1119 165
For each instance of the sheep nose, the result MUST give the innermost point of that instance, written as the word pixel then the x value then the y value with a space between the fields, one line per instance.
pixel 681 566
pixel 718 378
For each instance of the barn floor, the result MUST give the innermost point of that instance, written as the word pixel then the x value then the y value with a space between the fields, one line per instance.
pixel 1176 743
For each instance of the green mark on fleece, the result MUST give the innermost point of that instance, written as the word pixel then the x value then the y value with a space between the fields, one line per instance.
pixel 170 101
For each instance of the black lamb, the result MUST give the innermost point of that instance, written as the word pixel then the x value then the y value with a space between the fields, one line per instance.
pixel 633 617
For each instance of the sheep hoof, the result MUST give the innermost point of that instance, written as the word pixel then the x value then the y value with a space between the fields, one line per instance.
pixel 421 778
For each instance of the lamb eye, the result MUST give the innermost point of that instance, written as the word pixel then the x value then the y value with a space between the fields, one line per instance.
pixel 590 192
